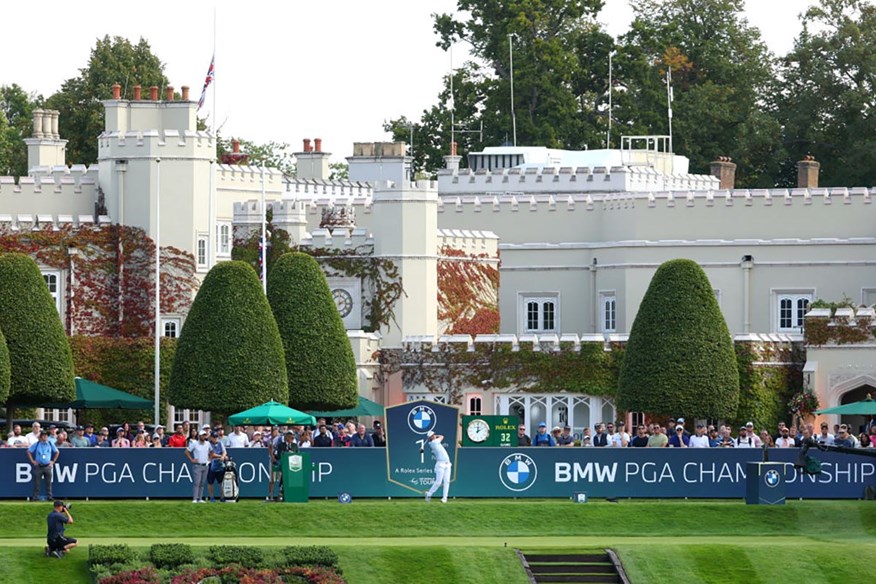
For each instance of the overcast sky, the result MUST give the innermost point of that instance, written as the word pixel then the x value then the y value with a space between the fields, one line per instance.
pixel 330 69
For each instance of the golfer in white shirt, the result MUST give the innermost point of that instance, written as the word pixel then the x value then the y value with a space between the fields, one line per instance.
pixel 442 465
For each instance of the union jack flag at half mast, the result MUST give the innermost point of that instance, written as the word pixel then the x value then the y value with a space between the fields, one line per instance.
pixel 211 73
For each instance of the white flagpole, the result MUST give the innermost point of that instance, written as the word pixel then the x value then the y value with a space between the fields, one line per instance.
pixel 669 103
pixel 157 289
pixel 513 115
pixel 452 107
pixel 264 251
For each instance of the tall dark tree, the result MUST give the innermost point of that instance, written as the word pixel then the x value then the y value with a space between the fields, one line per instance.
pixel 680 358
pixel 826 94
pixel 721 73
pixel 41 363
pixel 16 124
pixel 5 371
pixel 229 356
pixel 113 60
pixel 320 361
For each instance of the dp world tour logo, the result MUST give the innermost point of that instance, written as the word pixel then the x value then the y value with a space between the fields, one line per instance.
pixel 771 478
pixel 518 472
pixel 421 419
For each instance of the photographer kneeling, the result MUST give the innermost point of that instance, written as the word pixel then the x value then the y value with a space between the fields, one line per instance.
pixel 58 545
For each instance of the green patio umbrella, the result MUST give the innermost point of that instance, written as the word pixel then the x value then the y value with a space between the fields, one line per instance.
pixel 271 413
pixel 91 395
pixel 365 407
pixel 866 407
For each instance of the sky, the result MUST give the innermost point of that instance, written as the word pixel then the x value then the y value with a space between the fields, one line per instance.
pixel 285 70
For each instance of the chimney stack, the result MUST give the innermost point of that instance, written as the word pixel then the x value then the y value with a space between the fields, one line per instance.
pixel 312 162
pixel 153 93
pixel 317 144
pixel 724 169
pixel 307 147
pixel 185 92
pixel 168 93
pixel 138 90
pixel 807 172
pixel 235 146
pixel 117 91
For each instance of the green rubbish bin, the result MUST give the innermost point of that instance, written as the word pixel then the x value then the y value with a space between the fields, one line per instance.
pixel 296 477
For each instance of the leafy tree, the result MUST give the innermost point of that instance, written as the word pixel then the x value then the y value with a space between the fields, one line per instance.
pixel 339 171
pixel 41 364
pixel 16 124
pixel 825 94
pixel 113 60
pixel 680 358
pixel 319 359
pixel 720 70
pixel 271 154
pixel 247 250
pixel 229 356
pixel 560 56
pixel 5 372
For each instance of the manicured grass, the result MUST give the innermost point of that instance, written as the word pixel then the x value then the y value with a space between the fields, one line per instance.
pixel 463 518
pixel 28 564
pixel 740 561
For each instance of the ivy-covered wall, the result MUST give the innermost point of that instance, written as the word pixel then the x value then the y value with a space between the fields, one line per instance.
pixel 109 274
pixel 767 380
pixel 468 293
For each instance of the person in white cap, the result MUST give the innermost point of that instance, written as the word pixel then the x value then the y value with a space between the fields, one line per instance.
pixel 442 465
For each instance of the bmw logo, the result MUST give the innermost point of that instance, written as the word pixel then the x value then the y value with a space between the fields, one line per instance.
pixel 421 419
pixel 344 498
pixel 518 472
pixel 772 478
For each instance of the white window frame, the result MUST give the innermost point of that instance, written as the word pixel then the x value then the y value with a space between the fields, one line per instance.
pixel 474 403
pixel 58 293
pixel 65 416
pixel 171 320
pixel 542 299
pixel 223 239
pixel 557 409
pixel 794 297
pixel 866 292
pixel 608 322
pixel 181 415
pixel 440 398
pixel 202 261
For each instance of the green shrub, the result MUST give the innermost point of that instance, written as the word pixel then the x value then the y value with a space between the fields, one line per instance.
pixel 309 556
pixel 229 356
pixel 110 554
pixel 320 362
pixel 41 366
pixel 4 369
pixel 246 556
pixel 170 555
pixel 680 359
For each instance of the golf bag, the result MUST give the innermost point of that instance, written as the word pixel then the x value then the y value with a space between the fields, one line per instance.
pixel 230 492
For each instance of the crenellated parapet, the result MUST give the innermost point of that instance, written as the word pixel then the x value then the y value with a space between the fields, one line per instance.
pixel 50 191
pixel 340 239
pixel 843 325
pixel 472 243
pixel 552 179
pixel 22 223
pixel 248 178
pixel 155 143
pixel 329 189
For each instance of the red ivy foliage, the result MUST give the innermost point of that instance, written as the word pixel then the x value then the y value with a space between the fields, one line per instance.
pixel 468 291
pixel 314 575
pixel 143 576
pixel 109 275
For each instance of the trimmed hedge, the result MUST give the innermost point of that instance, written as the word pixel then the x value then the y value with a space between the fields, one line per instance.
pixel 171 555
pixel 246 556
pixel 680 359
pixel 110 554
pixel 229 356
pixel 5 370
pixel 41 366
pixel 320 362
pixel 310 556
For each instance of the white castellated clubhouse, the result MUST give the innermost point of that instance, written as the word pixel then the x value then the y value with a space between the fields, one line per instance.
pixel 574 238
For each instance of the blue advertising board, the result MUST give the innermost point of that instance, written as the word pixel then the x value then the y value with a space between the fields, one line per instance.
pixel 409 459
pixel 133 473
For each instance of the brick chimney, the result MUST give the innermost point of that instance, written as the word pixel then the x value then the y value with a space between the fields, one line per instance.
pixel 153 93
pixel 306 145
pixel 138 91
pixel 235 156
pixel 807 172
pixel 724 169
pixel 312 162
pixel 185 92
pixel 168 93
pixel 117 91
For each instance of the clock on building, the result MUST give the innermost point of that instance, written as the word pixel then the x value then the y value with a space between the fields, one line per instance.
pixel 343 300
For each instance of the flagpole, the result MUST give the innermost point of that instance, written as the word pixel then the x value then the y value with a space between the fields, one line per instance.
pixel 157 289
pixel 264 250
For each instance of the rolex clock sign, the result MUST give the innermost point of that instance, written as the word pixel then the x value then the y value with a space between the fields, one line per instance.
pixel 407 450
pixel 489 431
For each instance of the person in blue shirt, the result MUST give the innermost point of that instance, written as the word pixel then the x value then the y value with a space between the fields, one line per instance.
pixel 42 455
pixel 216 470
pixel 542 438
pixel 57 543
pixel 360 438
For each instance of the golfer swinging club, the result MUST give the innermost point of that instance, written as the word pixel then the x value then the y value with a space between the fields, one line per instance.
pixel 442 465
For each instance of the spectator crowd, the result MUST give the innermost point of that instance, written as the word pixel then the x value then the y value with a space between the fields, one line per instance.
pixel 675 435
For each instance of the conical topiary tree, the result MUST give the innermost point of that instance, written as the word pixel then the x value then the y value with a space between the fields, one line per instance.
pixel 40 361
pixel 229 356
pixel 4 369
pixel 680 359
pixel 319 359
